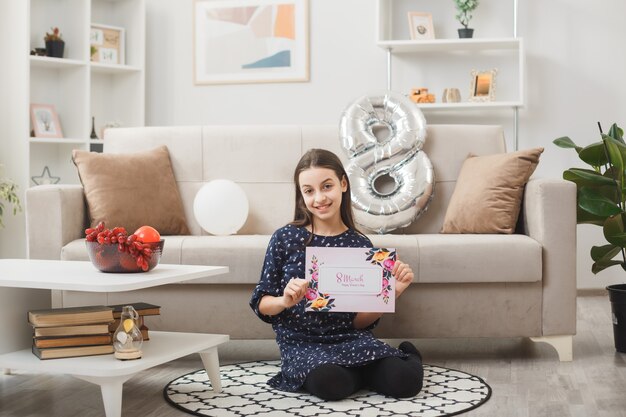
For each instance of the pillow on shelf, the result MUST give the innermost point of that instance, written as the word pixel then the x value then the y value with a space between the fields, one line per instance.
pixel 488 193
pixel 132 190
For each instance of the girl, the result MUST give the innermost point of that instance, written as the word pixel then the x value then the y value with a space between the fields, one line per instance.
pixel 331 355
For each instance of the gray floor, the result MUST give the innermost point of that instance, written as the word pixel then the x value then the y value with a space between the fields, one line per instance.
pixel 527 379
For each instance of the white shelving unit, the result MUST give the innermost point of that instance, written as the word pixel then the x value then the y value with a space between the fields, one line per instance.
pixel 78 88
pixel 420 63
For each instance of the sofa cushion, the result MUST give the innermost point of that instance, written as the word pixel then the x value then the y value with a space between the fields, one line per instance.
pixel 132 190
pixel 488 192
pixel 244 256
pixel 434 258
pixel 478 258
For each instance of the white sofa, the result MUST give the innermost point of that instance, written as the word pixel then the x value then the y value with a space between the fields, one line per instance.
pixel 465 285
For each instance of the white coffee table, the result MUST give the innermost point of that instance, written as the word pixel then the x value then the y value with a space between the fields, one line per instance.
pixel 18 276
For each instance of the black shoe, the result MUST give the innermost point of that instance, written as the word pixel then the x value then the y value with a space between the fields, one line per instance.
pixel 410 349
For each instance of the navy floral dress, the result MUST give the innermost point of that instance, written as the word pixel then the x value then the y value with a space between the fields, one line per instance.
pixel 310 339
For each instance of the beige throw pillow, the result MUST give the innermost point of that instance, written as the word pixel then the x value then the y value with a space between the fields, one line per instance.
pixel 488 193
pixel 132 190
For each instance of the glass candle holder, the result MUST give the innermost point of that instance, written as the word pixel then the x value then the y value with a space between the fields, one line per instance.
pixel 127 339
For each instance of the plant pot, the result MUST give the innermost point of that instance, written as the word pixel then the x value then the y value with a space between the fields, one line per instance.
pixel 617 296
pixel 55 48
pixel 465 33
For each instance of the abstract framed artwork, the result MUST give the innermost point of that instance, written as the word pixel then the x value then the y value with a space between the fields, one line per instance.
pixel 251 41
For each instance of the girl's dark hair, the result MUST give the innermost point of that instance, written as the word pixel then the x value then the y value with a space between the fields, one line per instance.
pixel 321 158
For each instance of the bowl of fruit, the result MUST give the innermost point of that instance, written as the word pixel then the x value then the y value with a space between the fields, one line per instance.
pixel 114 250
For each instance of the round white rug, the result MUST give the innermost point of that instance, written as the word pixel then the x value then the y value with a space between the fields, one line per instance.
pixel 445 392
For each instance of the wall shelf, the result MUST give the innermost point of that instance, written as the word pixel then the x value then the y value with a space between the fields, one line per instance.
pixel 56 63
pixel 52 141
pixel 468 105
pixel 113 69
pixel 449 45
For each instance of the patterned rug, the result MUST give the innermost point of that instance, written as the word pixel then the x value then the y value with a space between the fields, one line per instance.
pixel 446 392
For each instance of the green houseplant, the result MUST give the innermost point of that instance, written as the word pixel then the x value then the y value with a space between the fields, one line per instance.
pixel 464 15
pixel 601 201
pixel 8 194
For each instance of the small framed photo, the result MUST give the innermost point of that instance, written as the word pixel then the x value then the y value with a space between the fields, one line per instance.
pixel 421 25
pixel 45 121
pixel 483 85
pixel 107 44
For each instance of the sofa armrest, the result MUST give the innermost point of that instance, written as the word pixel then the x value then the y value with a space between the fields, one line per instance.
pixel 55 215
pixel 549 213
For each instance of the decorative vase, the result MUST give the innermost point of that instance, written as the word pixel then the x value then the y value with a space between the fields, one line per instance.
pixel 465 33
pixel 451 95
pixel 127 339
pixel 55 49
pixel 617 296
pixel 93 128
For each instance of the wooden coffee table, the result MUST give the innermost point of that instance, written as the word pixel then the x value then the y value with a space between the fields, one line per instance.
pixel 26 284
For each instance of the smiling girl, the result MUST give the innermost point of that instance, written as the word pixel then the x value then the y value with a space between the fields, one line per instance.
pixel 330 355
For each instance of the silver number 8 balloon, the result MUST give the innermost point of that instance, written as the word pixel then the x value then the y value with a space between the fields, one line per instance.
pixel 392 179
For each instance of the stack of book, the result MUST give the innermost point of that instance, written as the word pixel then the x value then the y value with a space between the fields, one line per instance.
pixel 143 309
pixel 73 331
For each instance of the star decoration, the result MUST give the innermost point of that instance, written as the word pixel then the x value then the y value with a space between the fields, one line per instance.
pixel 45 178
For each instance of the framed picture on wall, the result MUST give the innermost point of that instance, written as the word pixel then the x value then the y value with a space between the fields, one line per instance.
pixel 45 121
pixel 107 44
pixel 483 85
pixel 421 26
pixel 251 41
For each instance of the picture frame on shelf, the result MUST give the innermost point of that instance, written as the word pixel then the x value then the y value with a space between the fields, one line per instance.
pixel 107 44
pixel 266 42
pixel 45 121
pixel 421 26
pixel 483 85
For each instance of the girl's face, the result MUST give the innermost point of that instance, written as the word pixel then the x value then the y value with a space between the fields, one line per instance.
pixel 321 190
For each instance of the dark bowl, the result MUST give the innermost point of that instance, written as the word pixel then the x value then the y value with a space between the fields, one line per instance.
pixel 107 258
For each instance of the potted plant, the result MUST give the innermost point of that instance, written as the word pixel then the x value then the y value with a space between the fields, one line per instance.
pixel 464 15
pixel 8 193
pixel 601 201
pixel 54 43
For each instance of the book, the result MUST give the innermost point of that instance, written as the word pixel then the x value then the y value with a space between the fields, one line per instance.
pixel 71 330
pixel 69 316
pixel 144 332
pixel 70 352
pixel 66 341
pixel 143 309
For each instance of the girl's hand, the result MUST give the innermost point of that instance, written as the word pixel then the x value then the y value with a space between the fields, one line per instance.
pixel 403 275
pixel 294 292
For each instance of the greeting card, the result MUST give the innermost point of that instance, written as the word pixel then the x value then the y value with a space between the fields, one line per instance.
pixel 350 279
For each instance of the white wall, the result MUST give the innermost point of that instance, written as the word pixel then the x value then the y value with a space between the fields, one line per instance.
pixel 575 72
